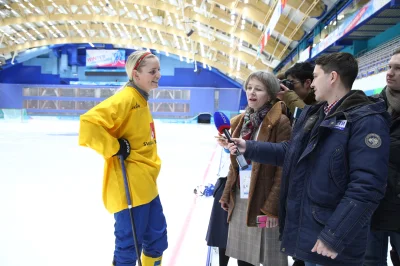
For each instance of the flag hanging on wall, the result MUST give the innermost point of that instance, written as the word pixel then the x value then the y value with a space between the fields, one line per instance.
pixel 283 4
pixel 271 26
pixel 261 46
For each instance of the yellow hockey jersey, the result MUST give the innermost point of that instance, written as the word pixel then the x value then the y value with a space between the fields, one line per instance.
pixel 123 115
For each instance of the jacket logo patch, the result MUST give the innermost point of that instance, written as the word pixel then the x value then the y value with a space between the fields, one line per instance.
pixel 340 124
pixel 373 141
pixel 136 106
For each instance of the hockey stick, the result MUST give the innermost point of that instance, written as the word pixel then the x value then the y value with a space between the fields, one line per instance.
pixel 208 262
pixel 128 199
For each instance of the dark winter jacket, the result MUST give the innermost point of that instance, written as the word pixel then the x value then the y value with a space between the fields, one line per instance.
pixel 217 233
pixel 334 175
pixel 387 216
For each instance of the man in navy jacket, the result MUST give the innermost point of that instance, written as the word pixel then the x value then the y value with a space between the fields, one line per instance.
pixel 334 168
pixel 386 219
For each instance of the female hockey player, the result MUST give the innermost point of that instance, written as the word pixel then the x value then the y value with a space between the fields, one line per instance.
pixel 122 125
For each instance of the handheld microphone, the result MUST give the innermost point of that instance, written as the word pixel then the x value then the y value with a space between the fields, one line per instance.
pixel 223 125
pixel 296 115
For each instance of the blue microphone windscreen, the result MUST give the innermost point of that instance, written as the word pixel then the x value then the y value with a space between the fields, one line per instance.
pixel 221 121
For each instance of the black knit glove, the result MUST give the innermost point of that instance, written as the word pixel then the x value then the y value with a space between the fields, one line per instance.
pixel 124 148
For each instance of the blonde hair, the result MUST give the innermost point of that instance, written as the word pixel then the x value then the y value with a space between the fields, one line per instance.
pixel 133 59
pixel 270 82
pixel 131 63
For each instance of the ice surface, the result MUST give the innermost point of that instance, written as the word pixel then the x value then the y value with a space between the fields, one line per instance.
pixel 51 202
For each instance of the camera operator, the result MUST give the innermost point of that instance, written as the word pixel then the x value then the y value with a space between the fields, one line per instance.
pixel 296 89
pixel 295 92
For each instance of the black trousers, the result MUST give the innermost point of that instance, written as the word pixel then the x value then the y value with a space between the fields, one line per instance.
pixel 223 259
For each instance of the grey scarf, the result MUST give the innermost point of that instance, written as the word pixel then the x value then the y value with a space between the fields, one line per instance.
pixel 393 97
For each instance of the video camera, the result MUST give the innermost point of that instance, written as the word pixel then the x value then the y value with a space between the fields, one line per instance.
pixel 287 83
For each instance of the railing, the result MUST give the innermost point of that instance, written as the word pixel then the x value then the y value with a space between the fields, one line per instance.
pixel 376 60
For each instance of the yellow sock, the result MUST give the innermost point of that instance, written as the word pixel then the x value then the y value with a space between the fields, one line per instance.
pixel 149 261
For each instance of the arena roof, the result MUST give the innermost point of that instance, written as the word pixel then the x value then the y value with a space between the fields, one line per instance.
pixel 224 34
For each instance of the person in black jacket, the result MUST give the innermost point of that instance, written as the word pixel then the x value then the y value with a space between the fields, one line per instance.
pixel 217 232
pixel 301 76
pixel 386 219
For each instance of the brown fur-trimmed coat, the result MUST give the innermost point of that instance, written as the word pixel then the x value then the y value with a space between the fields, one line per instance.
pixel 265 179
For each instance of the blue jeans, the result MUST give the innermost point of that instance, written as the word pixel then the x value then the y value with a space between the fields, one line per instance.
pixel 151 231
pixel 377 247
pixel 311 264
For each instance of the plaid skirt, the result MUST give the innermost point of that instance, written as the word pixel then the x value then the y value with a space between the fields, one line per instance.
pixel 251 244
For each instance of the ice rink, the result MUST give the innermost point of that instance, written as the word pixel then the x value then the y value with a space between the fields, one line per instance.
pixel 51 202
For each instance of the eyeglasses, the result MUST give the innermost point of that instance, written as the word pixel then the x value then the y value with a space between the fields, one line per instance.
pixel 294 81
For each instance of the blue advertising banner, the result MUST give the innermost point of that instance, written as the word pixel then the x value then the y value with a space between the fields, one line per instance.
pixel 105 58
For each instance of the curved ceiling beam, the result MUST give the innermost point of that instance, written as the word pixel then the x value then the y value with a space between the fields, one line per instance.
pixel 243 56
pixel 246 35
pixel 129 22
pixel 263 8
pixel 257 12
pixel 242 74
pixel 317 10
pixel 249 34
pixel 310 8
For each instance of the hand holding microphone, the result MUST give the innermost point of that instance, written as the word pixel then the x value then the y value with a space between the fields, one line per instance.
pixel 237 145
pixel 223 125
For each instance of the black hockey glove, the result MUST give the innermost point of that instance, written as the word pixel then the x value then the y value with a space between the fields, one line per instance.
pixel 124 148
